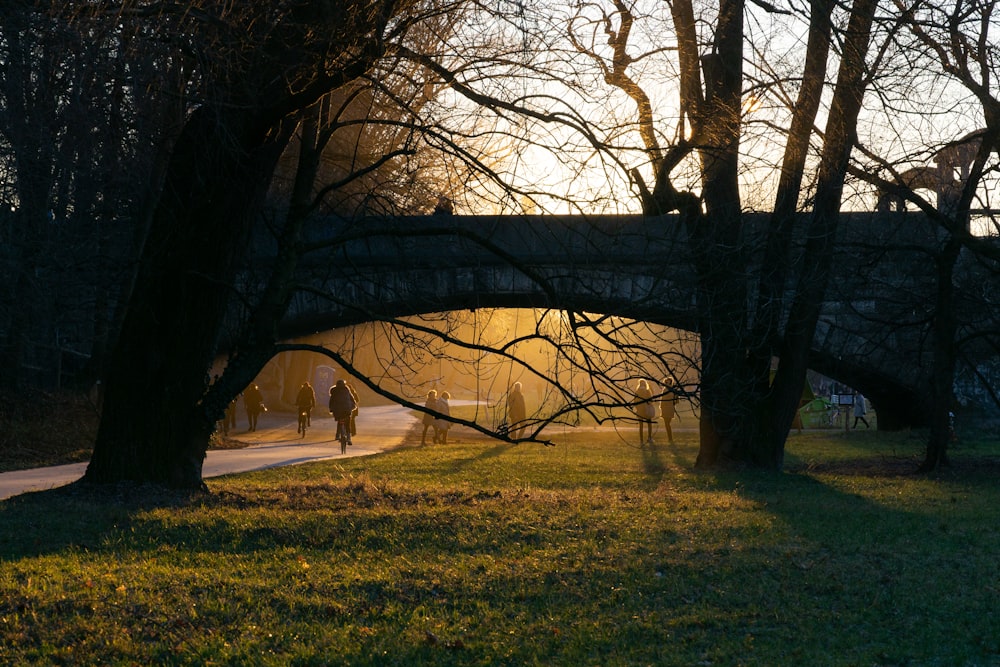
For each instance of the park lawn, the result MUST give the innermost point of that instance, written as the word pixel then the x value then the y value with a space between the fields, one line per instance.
pixel 593 552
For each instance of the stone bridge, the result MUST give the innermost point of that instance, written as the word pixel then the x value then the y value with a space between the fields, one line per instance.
pixel 872 335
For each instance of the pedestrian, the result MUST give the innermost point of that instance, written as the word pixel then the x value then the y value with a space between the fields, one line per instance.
pixel 230 418
pixel 253 399
pixel 305 401
pixel 342 405
pixel 357 406
pixel 668 405
pixel 860 410
pixel 645 410
pixel 516 412
pixel 430 404
pixel 444 206
pixel 441 426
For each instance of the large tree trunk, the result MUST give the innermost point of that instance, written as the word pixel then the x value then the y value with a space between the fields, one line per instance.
pixel 943 328
pixel 763 436
pixel 817 266
pixel 157 415
pixel 714 111
pixel 154 427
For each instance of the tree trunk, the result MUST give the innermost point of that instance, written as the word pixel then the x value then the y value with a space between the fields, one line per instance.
pixel 256 344
pixel 777 262
pixel 817 266
pixel 154 427
pixel 716 238
pixel 158 413
pixel 943 328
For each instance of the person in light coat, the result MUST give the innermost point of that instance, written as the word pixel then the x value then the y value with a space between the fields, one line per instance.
pixel 860 410
pixel 431 404
pixel 516 411
pixel 668 406
pixel 441 426
pixel 645 410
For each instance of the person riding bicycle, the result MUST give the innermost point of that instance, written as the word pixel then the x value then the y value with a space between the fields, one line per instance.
pixel 305 401
pixel 342 405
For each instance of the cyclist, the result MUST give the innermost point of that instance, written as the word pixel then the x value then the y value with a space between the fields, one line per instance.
pixel 342 406
pixel 305 401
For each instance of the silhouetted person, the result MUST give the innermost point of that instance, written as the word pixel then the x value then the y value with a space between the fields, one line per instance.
pixel 441 426
pixel 431 404
pixel 516 411
pixel 444 206
pixel 230 418
pixel 254 401
pixel 342 406
pixel 860 410
pixel 668 406
pixel 645 411
pixel 354 413
pixel 305 401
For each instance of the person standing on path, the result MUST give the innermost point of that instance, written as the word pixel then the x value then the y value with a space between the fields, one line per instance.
pixel 645 410
pixel 516 412
pixel 431 404
pixel 441 426
pixel 357 406
pixel 230 418
pixel 668 406
pixel 254 401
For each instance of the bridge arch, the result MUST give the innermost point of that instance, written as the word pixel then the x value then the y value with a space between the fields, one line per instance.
pixel 629 266
pixel 945 178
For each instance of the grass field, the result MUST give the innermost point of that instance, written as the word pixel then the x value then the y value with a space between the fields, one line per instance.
pixel 592 552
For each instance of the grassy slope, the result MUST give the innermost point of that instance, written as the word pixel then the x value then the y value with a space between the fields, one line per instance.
pixel 593 552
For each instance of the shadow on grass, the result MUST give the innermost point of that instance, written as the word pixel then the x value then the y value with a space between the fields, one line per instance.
pixel 652 461
pixel 498 449
pixel 87 515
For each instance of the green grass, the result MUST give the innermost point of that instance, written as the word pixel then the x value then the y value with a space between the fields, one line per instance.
pixel 593 552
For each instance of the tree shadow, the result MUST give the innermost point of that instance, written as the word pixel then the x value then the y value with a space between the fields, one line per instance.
pixel 88 515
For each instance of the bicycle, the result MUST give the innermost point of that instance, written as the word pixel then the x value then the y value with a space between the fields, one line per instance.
pixel 303 422
pixel 344 433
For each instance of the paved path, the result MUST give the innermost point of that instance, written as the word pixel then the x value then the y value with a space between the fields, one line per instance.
pixel 274 443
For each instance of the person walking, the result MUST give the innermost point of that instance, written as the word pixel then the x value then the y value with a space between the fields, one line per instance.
pixel 253 399
pixel 668 406
pixel 645 410
pixel 342 406
pixel 430 404
pixel 860 410
pixel 357 406
pixel 305 401
pixel 516 412
pixel 441 426
pixel 230 418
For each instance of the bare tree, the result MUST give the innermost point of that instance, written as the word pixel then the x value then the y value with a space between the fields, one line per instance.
pixel 711 88
pixel 960 40
pixel 84 127
pixel 258 68
pixel 248 80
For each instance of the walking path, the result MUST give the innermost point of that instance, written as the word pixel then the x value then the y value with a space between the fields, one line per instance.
pixel 274 443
